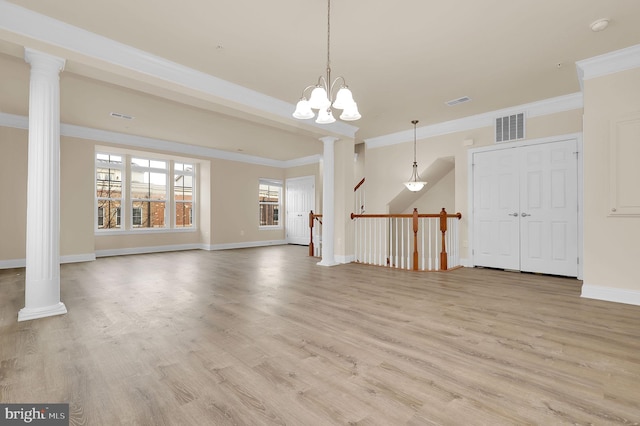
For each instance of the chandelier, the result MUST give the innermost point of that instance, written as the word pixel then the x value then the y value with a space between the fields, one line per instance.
pixel 414 183
pixel 322 94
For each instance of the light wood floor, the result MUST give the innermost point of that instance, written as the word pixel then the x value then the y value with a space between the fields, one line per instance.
pixel 265 336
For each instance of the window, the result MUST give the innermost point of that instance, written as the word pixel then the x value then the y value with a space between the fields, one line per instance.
pixel 131 186
pixel 149 192
pixel 269 200
pixel 109 190
pixel 183 194
pixel 136 216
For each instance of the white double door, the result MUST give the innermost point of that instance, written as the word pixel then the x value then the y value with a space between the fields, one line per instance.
pixel 525 208
pixel 300 199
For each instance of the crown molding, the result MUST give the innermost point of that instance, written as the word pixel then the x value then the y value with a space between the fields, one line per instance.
pixel 608 63
pixel 533 109
pixel 35 26
pixel 97 135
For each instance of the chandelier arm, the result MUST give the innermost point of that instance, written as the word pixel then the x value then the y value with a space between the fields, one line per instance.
pixel 344 82
pixel 305 89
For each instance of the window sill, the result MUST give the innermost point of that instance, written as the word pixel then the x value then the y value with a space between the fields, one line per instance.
pixel 144 231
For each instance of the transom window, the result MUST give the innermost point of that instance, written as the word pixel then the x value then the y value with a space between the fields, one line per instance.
pixel 269 203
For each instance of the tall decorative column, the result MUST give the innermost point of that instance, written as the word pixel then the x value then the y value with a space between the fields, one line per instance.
pixel 42 280
pixel 328 204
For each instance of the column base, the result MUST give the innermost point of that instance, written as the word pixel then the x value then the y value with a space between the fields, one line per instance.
pixel 327 263
pixel 26 314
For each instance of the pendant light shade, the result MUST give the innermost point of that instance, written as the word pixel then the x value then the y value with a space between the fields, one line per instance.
pixel 414 184
pixel 303 110
pixel 325 116
pixel 350 113
pixel 344 98
pixel 318 98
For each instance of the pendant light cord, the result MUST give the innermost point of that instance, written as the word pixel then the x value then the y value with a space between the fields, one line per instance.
pixel 414 140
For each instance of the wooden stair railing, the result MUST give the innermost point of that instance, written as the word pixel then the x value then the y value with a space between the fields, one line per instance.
pixel 312 218
pixel 442 216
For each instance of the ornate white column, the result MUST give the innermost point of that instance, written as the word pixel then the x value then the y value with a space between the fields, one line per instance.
pixel 328 204
pixel 42 280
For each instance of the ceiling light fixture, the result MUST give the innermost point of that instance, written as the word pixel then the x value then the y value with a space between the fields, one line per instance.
pixel 599 25
pixel 321 97
pixel 414 184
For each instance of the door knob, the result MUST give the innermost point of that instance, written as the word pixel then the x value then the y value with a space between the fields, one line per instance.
pixel 525 215
pixel 513 214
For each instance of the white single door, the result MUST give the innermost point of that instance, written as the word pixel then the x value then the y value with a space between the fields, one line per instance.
pixel 549 208
pixel 496 233
pixel 300 199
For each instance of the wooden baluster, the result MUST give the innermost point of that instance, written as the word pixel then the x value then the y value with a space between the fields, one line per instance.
pixel 415 239
pixel 311 233
pixel 443 229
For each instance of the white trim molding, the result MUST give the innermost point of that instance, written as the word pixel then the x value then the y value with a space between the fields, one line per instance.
pixel 73 258
pixel 487 119
pixel 146 250
pixel 248 244
pixel 610 294
pixel 608 63
pixel 132 141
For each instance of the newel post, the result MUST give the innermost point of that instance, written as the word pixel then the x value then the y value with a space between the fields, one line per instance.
pixel 311 250
pixel 443 229
pixel 415 239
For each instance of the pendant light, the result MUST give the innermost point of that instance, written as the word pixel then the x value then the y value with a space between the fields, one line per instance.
pixel 414 184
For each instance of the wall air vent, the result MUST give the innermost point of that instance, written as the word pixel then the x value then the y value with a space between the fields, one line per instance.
pixel 458 101
pixel 123 116
pixel 510 128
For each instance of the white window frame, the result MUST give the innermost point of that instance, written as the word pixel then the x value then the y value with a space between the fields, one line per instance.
pixel 125 211
pixel 271 183
pixel 150 169
pixel 175 175
pixel 112 166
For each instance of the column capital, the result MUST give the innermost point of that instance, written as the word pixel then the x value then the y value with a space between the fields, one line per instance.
pixel 329 139
pixel 43 60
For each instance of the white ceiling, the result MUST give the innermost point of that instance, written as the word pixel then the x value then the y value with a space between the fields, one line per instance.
pixel 403 60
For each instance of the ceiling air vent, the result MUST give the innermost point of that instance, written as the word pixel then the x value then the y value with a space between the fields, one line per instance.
pixel 458 101
pixel 510 128
pixel 123 116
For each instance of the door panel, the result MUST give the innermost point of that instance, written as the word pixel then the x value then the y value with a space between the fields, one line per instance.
pixel 495 195
pixel 301 198
pixel 550 200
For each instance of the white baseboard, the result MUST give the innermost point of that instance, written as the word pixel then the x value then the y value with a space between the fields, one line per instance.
pixel 146 250
pixel 77 258
pixel 465 262
pixel 248 244
pixel 73 258
pixel 611 294
pixel 13 263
